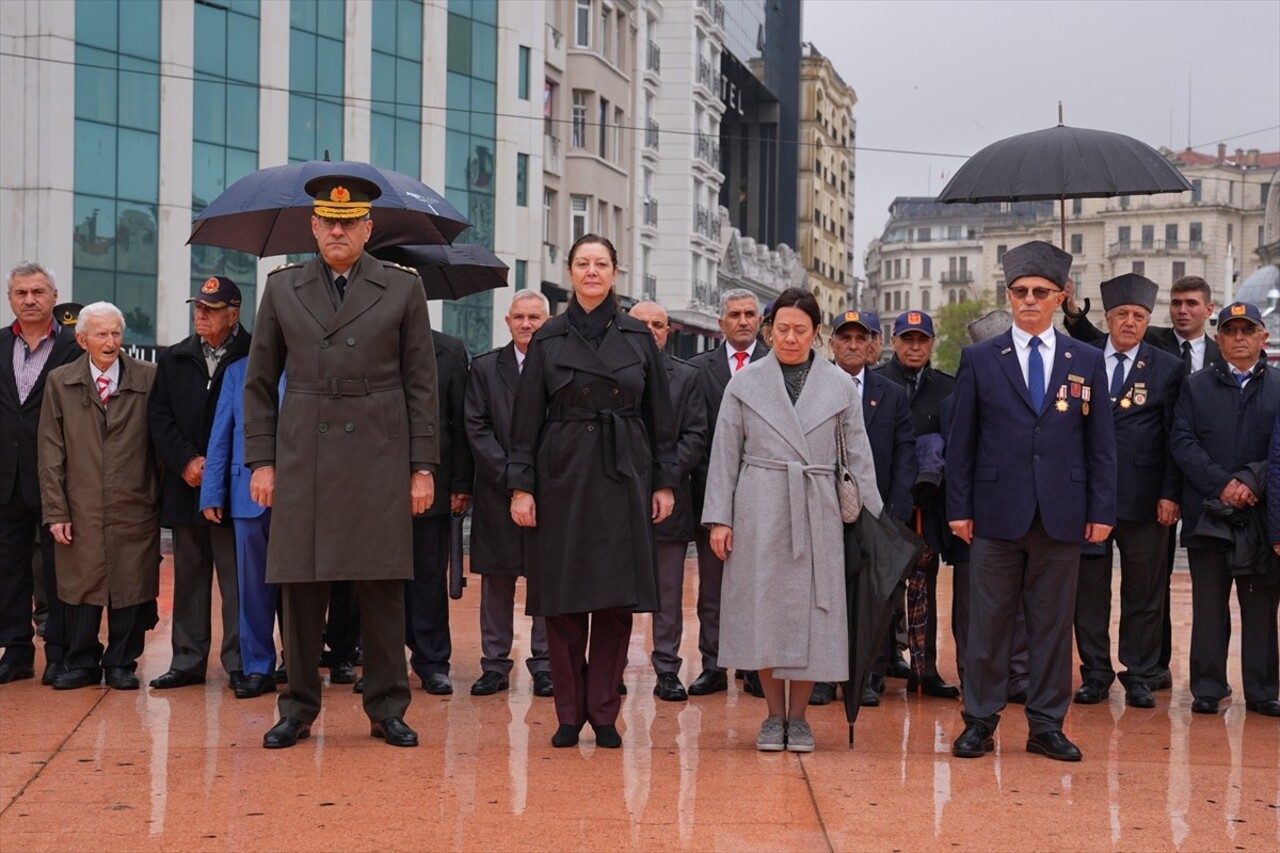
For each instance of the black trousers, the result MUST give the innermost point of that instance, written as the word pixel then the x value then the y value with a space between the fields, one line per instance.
pixel 198 553
pixel 386 680
pixel 19 523
pixel 1211 582
pixel 426 598
pixel 710 579
pixel 342 625
pixel 1041 572
pixel 1144 586
pixel 126 635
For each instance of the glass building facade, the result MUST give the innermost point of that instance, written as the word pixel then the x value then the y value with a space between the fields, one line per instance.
pixel 470 131
pixel 316 65
pixel 225 129
pixel 395 131
pixel 117 159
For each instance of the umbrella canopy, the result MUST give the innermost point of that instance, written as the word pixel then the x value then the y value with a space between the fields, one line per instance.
pixel 879 552
pixel 449 272
pixel 267 212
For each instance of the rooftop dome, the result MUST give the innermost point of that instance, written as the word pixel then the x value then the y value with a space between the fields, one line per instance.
pixel 1257 288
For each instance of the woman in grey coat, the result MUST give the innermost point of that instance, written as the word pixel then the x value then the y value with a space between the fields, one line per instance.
pixel 774 516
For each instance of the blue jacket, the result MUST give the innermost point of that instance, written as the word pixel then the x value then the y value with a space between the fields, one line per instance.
pixel 1218 429
pixel 886 412
pixel 1273 484
pixel 224 468
pixel 1006 461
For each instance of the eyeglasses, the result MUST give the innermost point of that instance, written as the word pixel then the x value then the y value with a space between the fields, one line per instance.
pixel 1238 330
pixel 347 224
pixel 1020 292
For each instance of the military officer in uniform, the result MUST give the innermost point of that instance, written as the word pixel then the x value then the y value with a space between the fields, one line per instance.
pixel 1031 473
pixel 1143 390
pixel 352 448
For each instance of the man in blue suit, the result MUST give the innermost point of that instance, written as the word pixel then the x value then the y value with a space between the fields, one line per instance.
pixel 1031 471
pixel 886 413
pixel 225 487
pixel 1143 390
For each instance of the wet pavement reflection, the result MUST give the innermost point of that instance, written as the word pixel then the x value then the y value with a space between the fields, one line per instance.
pixel 183 769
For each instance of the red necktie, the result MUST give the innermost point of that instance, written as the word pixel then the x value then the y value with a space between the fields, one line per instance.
pixel 742 359
pixel 104 389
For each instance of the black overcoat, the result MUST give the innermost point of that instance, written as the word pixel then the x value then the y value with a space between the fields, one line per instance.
pixel 690 410
pixel 713 375
pixel 456 470
pixel 180 412
pixel 497 542
pixel 592 437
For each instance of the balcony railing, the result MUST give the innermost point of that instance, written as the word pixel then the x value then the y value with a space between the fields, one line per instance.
pixel 707 149
pixel 706 223
pixel 707 76
pixel 714 8
pixel 653 59
pixel 551 160
pixel 651 134
pixel 956 277
pixel 649 288
pixel 1154 247
pixel 651 211
pixel 701 292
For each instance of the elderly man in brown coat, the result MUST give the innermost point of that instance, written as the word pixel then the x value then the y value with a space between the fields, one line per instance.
pixel 100 488
pixel 348 456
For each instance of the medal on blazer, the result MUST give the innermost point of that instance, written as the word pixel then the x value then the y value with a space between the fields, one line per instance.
pixel 1062 404
pixel 1085 394
pixel 1139 393
pixel 1126 401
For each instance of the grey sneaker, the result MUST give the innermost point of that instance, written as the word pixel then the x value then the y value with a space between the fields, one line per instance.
pixel 799 737
pixel 773 735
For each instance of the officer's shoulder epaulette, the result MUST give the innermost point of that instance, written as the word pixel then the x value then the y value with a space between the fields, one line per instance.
pixel 393 265
pixel 284 267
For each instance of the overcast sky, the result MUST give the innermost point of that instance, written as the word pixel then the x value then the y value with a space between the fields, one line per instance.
pixel 951 77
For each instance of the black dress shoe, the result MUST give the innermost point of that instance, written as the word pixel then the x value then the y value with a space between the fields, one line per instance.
pixel 176 678
pixel 824 693
pixel 870 696
pixel 437 684
pixel 1091 692
pixel 342 673
pixel 281 675
pixel 1018 698
pixel 1266 707
pixel 899 668
pixel 52 670
pixel 14 671
pixel 74 679
pixel 542 684
pixel 622 689
pixel 566 735
pixel 607 737
pixel 974 742
pixel 669 688
pixel 711 681
pixel 255 684
pixel 489 683
pixel 751 684
pixel 1164 681
pixel 1204 706
pixel 1054 745
pixel 358 687
pixel 286 733
pixel 122 678
pixel 236 678
pixel 1139 695
pixel 933 685
pixel 395 732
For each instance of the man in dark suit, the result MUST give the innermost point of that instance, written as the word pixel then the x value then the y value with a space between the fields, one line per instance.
pixel 1143 390
pixel 1031 472
pixel 1190 307
pixel 674 533
pixel 886 414
pixel 926 388
pixel 29 349
pixel 740 322
pixel 182 404
pixel 1221 429
pixel 497 543
pixel 426 597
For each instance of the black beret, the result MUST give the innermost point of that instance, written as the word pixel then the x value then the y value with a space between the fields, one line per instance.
pixel 1037 258
pixel 1129 289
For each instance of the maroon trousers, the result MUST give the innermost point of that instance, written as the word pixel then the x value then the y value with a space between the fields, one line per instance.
pixel 588 653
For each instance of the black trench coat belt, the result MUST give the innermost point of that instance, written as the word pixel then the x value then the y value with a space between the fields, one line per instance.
pixel 342 387
pixel 616 459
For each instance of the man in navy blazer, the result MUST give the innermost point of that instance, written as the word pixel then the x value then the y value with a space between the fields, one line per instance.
pixel 1143 390
pixel 1031 468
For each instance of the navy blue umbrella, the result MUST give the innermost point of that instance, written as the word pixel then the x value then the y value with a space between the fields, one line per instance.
pixel 449 272
pixel 267 212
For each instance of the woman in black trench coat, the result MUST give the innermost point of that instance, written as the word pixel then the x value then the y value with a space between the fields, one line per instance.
pixel 591 468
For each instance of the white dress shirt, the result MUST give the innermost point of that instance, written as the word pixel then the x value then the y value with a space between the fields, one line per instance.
pixel 1022 346
pixel 733 362
pixel 858 380
pixel 519 359
pixel 112 373
pixel 1109 356
pixel 1197 349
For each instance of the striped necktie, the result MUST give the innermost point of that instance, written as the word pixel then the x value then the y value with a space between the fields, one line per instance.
pixel 104 389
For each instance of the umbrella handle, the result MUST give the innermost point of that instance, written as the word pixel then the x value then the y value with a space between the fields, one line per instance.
pixel 1076 315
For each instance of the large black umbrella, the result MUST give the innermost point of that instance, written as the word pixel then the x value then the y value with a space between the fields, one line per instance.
pixel 267 212
pixel 1061 163
pixel 878 555
pixel 449 272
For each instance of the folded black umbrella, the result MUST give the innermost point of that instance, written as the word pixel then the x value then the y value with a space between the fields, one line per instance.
pixel 878 555
pixel 449 272
pixel 457 580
